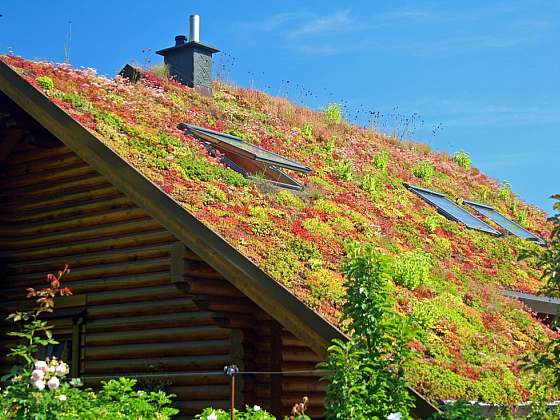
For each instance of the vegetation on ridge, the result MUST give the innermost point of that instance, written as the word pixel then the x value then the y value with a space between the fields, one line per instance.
pixel 473 336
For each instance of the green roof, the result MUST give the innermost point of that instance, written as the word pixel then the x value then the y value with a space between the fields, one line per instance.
pixel 356 191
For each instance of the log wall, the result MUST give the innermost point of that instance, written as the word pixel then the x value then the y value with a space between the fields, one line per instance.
pixel 153 309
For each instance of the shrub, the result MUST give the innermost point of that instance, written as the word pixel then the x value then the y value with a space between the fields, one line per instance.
pixel 250 413
pixel 504 191
pixel 463 159
pixel 459 410
pixel 333 112
pixel 424 170
pixel 38 389
pixel 367 372
pixel 288 199
pixel 45 82
pixel 307 131
pixel 431 223
pixel 412 269
pixel 381 160
pixel 344 170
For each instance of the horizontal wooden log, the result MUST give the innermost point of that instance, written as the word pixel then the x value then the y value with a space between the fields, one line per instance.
pixel 170 377
pixel 69 212
pixel 43 204
pixel 303 385
pixel 194 393
pixel 112 230
pixel 44 191
pixel 154 350
pixel 140 322
pixel 299 354
pixel 159 364
pixel 93 272
pixel 149 294
pixel 125 309
pixel 222 304
pixel 197 284
pixel 41 165
pixel 136 253
pixel 159 335
pixel 122 242
pixel 77 170
pixel 100 218
pixel 24 157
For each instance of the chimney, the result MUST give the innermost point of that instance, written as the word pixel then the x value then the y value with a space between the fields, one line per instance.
pixel 191 62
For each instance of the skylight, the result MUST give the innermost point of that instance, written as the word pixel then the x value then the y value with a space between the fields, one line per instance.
pixel 246 158
pixel 502 221
pixel 451 210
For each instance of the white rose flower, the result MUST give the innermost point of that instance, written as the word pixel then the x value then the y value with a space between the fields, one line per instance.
pixel 62 397
pixel 256 408
pixel 394 416
pixel 212 416
pixel 40 384
pixel 41 365
pixel 61 369
pixel 37 375
pixel 53 383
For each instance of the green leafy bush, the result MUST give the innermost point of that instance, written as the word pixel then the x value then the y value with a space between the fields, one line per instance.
pixel 45 82
pixel 344 170
pixel 381 160
pixel 459 410
pixel 424 170
pixel 307 131
pixel 250 413
pixel 333 113
pixel 463 159
pixel 38 389
pixel 366 379
pixel 411 269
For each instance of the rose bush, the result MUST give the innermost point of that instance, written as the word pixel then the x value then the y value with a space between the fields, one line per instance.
pixel 40 390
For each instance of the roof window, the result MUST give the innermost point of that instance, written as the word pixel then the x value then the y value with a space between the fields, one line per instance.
pixel 505 223
pixel 245 158
pixel 451 210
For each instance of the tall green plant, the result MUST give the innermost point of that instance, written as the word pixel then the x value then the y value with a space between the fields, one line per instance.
pixel 367 379
pixel 548 261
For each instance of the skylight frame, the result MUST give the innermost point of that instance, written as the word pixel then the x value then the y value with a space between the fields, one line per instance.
pixel 478 224
pixel 223 139
pixel 489 211
pixel 247 159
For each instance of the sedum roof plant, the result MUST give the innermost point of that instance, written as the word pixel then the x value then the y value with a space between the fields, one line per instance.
pixel 446 275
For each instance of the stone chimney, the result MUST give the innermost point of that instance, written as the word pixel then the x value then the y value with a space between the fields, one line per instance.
pixel 190 62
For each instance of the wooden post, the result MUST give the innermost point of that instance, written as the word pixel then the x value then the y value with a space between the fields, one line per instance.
pixel 232 370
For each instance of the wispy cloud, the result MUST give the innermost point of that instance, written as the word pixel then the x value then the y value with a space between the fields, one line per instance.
pixel 276 21
pixel 339 21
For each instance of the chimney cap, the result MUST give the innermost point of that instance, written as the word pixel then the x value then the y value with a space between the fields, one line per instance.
pixel 191 44
pixel 180 40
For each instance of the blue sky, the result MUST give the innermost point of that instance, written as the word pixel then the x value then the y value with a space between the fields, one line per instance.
pixel 479 76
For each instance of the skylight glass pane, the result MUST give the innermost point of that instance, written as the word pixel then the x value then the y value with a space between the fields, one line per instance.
pixel 452 211
pixel 504 222
pixel 258 153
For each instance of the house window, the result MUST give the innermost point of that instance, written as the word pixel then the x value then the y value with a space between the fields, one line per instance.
pixel 67 321
pixel 451 210
pixel 505 223
pixel 246 158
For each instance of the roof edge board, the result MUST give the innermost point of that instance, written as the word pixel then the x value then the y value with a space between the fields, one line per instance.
pixel 224 258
